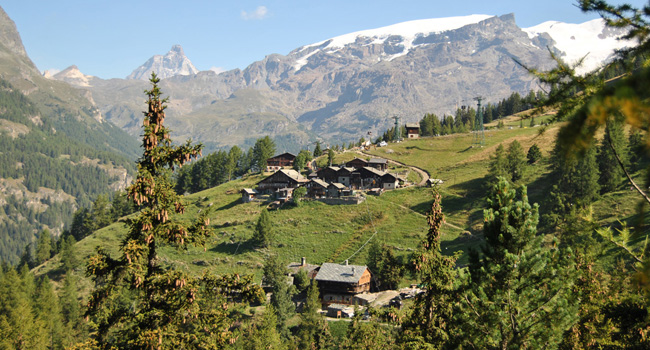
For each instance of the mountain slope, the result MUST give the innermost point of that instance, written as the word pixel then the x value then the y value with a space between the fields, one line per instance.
pixel 57 153
pixel 339 89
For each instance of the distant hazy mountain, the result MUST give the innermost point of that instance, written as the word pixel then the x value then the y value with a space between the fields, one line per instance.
pixel 172 63
pixel 339 89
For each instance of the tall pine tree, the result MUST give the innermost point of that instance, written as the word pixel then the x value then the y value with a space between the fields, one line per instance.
pixel 136 302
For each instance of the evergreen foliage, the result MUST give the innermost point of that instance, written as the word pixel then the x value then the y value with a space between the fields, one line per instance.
pixel 534 154
pixel 263 234
pixel 264 149
pixel 317 150
pixel 614 144
pixel 275 275
pixel 428 325
pixel 137 303
pixel 518 294
pixel 313 331
pixel 385 266
pixel 302 159
pixel 516 161
pixel 498 164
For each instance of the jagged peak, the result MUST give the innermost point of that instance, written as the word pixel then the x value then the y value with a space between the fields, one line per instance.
pixel 174 62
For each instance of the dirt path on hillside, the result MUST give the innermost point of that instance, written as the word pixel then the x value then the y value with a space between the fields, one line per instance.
pixel 424 175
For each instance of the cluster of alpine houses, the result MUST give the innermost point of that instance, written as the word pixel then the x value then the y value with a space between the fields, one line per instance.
pixel 331 184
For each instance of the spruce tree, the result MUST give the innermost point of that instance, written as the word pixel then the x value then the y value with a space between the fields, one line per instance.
pixel 264 149
pixel 498 164
pixel 611 173
pixel 263 233
pixel 516 161
pixel 518 292
pixel 428 325
pixel 275 275
pixel 317 150
pixel 313 331
pixel 263 334
pixel 137 303
pixel 534 154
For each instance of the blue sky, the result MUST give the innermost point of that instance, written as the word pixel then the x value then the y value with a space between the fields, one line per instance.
pixel 111 38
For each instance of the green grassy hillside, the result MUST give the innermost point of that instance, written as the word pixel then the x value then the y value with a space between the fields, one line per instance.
pixel 323 233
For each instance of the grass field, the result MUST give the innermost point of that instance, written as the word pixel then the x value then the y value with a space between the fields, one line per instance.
pixel 324 233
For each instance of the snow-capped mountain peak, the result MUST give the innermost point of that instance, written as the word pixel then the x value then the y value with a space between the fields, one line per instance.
pixel 402 35
pixel 172 63
pixel 592 40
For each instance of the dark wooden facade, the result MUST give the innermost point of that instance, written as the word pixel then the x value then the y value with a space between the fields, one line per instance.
pixel 339 283
pixel 378 163
pixel 281 179
pixel 328 174
pixel 280 161
pixel 316 188
pixel 366 178
pixel 357 163
pixel 413 130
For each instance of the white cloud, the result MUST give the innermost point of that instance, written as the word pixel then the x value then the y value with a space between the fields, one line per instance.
pixel 218 69
pixel 260 13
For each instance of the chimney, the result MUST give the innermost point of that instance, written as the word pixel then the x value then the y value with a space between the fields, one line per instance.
pixel 346 262
pixel 303 261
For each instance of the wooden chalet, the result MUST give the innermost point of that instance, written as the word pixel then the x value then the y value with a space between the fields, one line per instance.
pixel 380 164
pixel 389 181
pixel 413 130
pixel 280 161
pixel 316 188
pixel 365 178
pixel 248 194
pixel 335 190
pixel 328 174
pixel 357 163
pixel 339 283
pixel 344 175
pixel 281 179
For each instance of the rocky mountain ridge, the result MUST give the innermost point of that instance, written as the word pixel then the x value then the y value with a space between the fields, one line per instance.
pixel 171 64
pixel 339 89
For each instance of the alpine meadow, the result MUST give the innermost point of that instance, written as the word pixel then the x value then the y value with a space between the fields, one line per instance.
pixel 446 183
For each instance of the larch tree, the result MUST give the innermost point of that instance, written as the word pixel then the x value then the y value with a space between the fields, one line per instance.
pixel 140 304
pixel 613 145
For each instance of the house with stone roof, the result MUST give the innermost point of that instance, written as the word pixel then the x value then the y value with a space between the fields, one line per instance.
pixel 280 161
pixel 281 179
pixel 340 283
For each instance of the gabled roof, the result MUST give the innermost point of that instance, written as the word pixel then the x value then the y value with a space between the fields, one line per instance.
pixel 248 191
pixel 340 273
pixel 346 170
pixel 357 158
pixel 377 161
pixel 320 182
pixel 389 175
pixel 289 155
pixel 337 185
pixel 412 125
pixel 294 175
pixel 373 170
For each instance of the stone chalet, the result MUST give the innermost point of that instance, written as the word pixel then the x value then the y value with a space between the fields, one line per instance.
pixel 281 179
pixel 339 283
pixel 413 130
pixel 280 161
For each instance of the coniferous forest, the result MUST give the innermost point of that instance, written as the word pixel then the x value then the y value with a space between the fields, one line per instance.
pixel 558 273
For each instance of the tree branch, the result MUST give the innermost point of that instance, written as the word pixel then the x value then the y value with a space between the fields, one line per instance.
pixel 620 162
